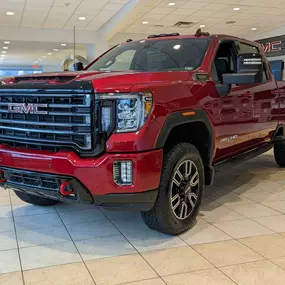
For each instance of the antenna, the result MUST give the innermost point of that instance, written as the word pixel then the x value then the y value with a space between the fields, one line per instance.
pixel 74 39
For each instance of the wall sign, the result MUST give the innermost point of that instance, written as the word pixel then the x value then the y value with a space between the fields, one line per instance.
pixel 273 46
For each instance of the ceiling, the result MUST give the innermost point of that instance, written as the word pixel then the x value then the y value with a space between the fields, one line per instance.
pixel 28 53
pixel 58 14
pixel 260 14
pixel 128 18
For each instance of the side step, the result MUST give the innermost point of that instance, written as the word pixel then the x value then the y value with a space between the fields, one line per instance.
pixel 229 163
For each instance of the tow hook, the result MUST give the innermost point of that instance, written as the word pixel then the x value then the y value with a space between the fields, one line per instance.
pixel 65 188
pixel 2 178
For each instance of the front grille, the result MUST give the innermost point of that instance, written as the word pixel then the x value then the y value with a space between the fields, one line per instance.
pixel 45 185
pixel 32 180
pixel 67 124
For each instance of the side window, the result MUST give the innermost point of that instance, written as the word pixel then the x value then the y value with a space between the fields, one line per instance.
pixel 245 48
pixel 225 61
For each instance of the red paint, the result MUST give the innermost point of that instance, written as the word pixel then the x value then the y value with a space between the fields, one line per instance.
pixel 95 173
pixel 251 113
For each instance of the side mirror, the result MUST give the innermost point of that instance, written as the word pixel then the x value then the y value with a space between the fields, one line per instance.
pixel 78 66
pixel 249 70
pixel 241 78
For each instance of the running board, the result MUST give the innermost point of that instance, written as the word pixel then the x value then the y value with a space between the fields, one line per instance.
pixel 229 163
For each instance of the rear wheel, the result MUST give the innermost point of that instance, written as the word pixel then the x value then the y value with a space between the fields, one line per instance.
pixel 279 153
pixel 180 191
pixel 35 200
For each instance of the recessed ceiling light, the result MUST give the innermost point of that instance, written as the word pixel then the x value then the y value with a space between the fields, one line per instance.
pixel 10 13
pixel 63 45
pixel 202 26
pixel 44 57
pixel 4 47
pixel 236 9
pixel 82 18
pixel 55 49
pixel 4 51
pixel 145 22
pixel 253 29
pixel 6 42
pixel 171 4
pixel 49 53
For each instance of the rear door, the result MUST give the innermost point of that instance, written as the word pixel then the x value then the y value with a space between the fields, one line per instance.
pixel 265 98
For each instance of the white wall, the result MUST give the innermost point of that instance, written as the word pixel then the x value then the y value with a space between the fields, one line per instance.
pixel 51 68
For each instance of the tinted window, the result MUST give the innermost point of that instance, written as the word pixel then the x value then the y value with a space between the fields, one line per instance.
pixel 245 48
pixel 154 55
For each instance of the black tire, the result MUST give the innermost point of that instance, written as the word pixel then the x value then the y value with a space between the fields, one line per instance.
pixel 35 200
pixel 279 153
pixel 162 217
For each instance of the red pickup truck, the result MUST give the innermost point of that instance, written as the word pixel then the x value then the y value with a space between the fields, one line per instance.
pixel 144 126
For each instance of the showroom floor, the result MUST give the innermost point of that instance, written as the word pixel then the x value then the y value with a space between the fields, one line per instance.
pixel 239 239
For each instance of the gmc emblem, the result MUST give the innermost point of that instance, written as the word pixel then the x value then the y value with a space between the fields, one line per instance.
pixel 23 108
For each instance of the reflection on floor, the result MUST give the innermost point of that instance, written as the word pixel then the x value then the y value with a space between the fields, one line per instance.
pixel 239 239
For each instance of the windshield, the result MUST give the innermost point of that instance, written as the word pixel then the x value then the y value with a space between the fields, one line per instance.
pixel 154 55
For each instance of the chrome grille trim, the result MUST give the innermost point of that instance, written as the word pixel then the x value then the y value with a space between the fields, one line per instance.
pixel 68 124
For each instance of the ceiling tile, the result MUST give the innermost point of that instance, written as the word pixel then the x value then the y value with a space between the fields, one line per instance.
pixel 223 15
pixel 209 21
pixel 183 12
pixel 90 4
pixel 119 1
pixel 274 11
pixel 178 3
pixel 37 8
pixel 249 2
pixel 204 13
pixel 229 2
pixel 36 2
pixel 215 7
pixel 271 3
pixel 240 16
pixel 193 5
pixel 151 17
pixel 66 3
pixel 163 11
pixel 113 7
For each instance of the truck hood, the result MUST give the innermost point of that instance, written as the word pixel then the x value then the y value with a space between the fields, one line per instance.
pixel 103 81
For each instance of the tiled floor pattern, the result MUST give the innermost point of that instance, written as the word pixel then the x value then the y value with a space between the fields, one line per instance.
pixel 239 239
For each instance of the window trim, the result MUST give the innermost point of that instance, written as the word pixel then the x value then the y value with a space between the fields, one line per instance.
pixel 264 60
pixel 233 42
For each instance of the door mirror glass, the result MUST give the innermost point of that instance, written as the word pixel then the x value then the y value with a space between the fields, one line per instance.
pixel 249 70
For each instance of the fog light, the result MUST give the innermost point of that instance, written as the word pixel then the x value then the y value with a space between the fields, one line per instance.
pixel 123 172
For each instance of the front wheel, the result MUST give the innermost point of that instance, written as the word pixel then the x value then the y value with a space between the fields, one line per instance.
pixel 180 191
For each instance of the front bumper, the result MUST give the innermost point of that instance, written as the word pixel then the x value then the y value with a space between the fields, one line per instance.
pixel 94 175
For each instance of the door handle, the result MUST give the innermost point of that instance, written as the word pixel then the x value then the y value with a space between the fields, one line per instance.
pixel 274 93
pixel 247 94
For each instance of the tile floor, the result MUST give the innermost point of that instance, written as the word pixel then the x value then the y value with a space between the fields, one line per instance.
pixel 239 239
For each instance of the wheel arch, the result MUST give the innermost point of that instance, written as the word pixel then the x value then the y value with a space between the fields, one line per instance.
pixel 194 128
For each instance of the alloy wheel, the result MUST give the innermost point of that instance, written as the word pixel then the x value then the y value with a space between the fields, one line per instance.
pixel 184 189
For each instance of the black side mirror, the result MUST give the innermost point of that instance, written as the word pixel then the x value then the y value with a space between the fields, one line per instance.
pixel 223 89
pixel 78 66
pixel 249 70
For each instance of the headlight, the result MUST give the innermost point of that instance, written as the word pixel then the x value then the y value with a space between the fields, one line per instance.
pixel 132 111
